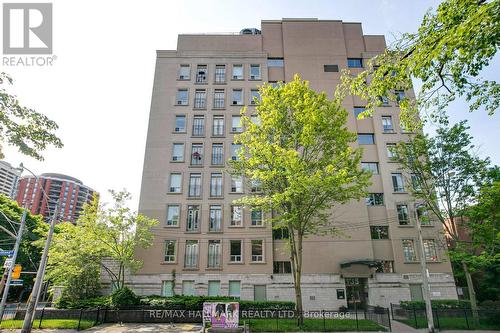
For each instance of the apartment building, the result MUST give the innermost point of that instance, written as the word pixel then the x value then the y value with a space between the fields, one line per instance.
pixel 207 245
pixel 9 176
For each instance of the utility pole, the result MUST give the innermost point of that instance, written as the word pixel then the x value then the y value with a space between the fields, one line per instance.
pixel 11 268
pixel 426 293
pixel 31 308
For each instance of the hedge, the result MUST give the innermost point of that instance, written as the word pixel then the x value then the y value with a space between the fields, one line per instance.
pixel 437 304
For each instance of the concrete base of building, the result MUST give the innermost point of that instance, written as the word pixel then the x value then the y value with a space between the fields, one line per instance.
pixel 319 291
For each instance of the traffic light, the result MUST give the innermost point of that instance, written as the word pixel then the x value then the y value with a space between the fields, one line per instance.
pixel 16 272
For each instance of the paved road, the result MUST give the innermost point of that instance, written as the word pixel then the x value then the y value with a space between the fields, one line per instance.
pixel 144 328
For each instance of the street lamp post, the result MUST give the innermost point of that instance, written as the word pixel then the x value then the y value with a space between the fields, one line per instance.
pixel 425 279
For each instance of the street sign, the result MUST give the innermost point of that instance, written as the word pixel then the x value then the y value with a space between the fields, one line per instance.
pixel 16 282
pixel 6 253
pixel 7 263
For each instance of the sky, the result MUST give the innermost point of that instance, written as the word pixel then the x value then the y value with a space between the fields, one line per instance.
pixel 99 87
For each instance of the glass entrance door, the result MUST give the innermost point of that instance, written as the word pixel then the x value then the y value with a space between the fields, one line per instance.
pixel 357 292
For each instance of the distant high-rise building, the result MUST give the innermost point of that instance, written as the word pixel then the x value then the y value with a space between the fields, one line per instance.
pixel 69 191
pixel 9 176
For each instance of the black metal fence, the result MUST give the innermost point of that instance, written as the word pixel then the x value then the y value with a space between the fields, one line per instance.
pixel 461 318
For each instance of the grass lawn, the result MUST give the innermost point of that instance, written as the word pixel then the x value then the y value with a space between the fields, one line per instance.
pixel 452 323
pixel 311 325
pixel 50 323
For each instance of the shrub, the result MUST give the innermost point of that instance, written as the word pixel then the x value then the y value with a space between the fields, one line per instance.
pixel 124 297
pixel 437 304
pixel 95 302
pixel 489 304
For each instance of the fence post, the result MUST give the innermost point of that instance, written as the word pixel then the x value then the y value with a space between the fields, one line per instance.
pixel 105 315
pixel 356 313
pixel 389 317
pixel 41 318
pixel 97 315
pixel 277 322
pixel 466 320
pixel 437 319
pixel 392 311
pixel 415 316
pixel 324 320
pixel 80 319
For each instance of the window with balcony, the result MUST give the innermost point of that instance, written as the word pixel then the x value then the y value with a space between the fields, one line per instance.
pixel 275 62
pixel 397 182
pixel 237 72
pixel 254 72
pixel 254 97
pixel 409 250
pixel 387 124
pixel 354 62
pixel 257 251
pixel 216 185
pixel 237 97
pixel 200 99
pixel 430 250
pixel 375 199
pixel 184 71
pixel 403 215
pixel 214 253
pixel 182 97
pixel 366 139
pixel 370 166
pixel 235 251
pixel 235 148
pixel 236 124
pixel 201 74
pixel 193 218
pixel 173 212
pixel 197 154
pixel 379 232
pixel 170 251
pixel 175 183
pixel 215 223
pixel 220 74
pixel 178 152
pixel 256 216
pixel 219 99
pixel 194 185
pixel 180 124
pixel 236 216
pixel 236 184
pixel 282 267
pixel 199 126
pixel 217 154
pixel 191 254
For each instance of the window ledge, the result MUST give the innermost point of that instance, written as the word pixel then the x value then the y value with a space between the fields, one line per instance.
pixel 184 79
pixel 236 226
pixel 257 226
pixel 194 198
pixel 174 192
pixel 240 79
pixel 215 232
pixel 216 198
pixel 181 104
pixel 190 269
pixel 171 226
pixel 257 263
pixel 201 83
pixel 389 132
pixel 239 104
pixel 199 109
pixel 399 192
pixel 168 263
pixel 218 136
pixel 236 263
pixel 213 269
pixel 236 192
pixel 216 165
pixel 427 226
pixel 222 83
pixel 192 232
pixel 177 161
pixel 411 262
pixel 256 79
pixel 179 132
pixel 405 226
pixel 195 166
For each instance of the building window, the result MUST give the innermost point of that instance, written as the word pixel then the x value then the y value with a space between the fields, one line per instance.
pixel 255 119
pixel 188 288
pixel 197 154
pixel 193 218
pixel 201 74
pixel 236 184
pixel 167 288
pixel 358 110
pixel 170 251
pixel 234 288
pixel 236 216
pixel 235 251
pixel 191 257
pixel 403 216
pixel 200 99
pixel 214 253
pixel 430 250
pixel 199 126
pixel 215 224
pixel 236 124
pixel 275 62
pixel 400 95
pixel 354 62
pixel 220 74
pixel 391 150
pixel 184 72
pixel 180 124
pixel 237 97
pixel 216 185
pixel 182 97
pixel 397 182
pixel 235 148
pixel 423 216
pixel 257 251
pixel 409 250
pixel 370 166
pixel 213 288
pixel 416 183
pixel 375 199
pixel 173 212
pixel 331 68
pixel 175 182
pixel 178 152
pixel 384 101
pixel 256 214
pixel 195 185
pixel 217 154
pixel 218 126
pixel 379 232
pixel 255 185
pixel 387 124
pixel 385 266
pixel 254 97
pixel 219 99
pixel 237 72
pixel 366 139
pixel 282 267
pixel 254 72
pixel 281 233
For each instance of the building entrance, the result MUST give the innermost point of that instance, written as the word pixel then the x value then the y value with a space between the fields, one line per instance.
pixel 357 292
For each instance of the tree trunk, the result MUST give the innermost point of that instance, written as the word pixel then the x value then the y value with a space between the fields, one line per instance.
pixel 472 294
pixel 295 253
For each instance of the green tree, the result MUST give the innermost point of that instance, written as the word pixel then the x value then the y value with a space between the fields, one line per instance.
pixel 447 54
pixel 444 174
pixel 22 127
pixel 299 154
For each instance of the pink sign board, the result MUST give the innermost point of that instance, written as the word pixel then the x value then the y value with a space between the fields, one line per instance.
pixel 221 315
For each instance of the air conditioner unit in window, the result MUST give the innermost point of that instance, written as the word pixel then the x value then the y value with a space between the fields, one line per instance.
pixel 172 189
pixel 406 277
pixel 235 129
pixel 252 102
pixel 177 129
pixel 180 102
pixel 234 158
pixel 183 77
pixel 235 102
pixel 252 77
pixel 174 158
pixel 235 77
pixel 233 189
